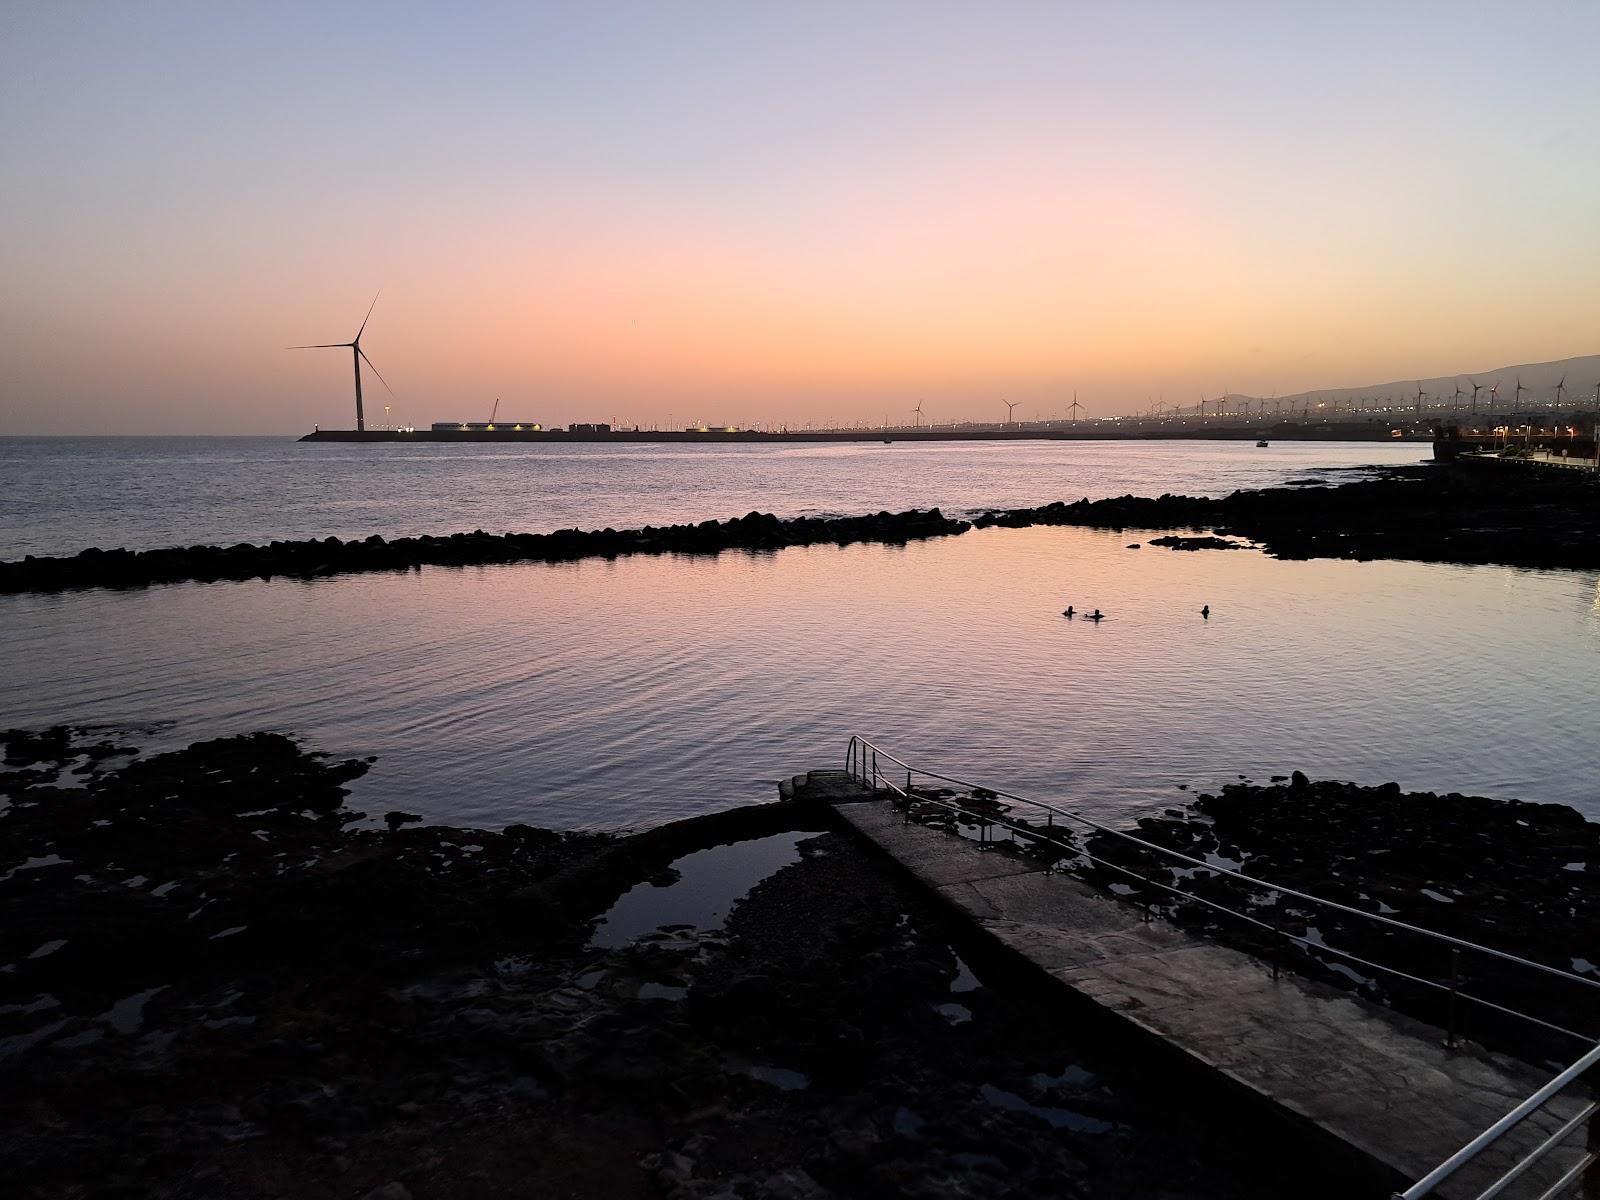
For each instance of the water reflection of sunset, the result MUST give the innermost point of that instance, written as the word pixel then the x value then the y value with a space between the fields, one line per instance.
pixel 606 694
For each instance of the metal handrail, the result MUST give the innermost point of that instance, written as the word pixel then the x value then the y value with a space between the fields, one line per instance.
pixel 1427 1185
pixel 856 758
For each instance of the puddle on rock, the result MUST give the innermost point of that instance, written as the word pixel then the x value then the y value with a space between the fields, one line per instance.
pixel 127 1014
pixel 705 886
pixel 781 1078
pixel 1057 1118
pixel 956 1014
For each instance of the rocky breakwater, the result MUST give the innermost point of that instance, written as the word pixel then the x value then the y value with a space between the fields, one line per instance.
pixel 96 567
pixel 1433 513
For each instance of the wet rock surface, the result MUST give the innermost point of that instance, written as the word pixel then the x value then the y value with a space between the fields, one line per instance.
pixel 218 981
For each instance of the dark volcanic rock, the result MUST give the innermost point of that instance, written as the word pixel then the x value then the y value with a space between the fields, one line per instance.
pixel 1467 513
pixel 754 531
pixel 1204 542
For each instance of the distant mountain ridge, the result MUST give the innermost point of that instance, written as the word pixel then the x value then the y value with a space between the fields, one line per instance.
pixel 1538 383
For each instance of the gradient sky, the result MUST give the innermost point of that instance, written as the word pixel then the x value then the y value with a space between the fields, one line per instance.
pixel 779 212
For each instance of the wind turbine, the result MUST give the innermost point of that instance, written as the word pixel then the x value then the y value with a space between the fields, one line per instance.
pixel 1560 387
pixel 1476 388
pixel 1459 394
pixel 1011 407
pixel 1516 397
pixel 916 415
pixel 1074 407
pixel 356 355
pixel 1420 394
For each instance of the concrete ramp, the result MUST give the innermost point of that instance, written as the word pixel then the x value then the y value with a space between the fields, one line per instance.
pixel 1366 1081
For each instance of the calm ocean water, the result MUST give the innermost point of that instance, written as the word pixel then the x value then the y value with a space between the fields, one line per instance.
pixel 617 694
pixel 64 494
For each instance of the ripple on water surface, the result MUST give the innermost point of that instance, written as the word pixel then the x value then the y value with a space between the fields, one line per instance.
pixel 620 694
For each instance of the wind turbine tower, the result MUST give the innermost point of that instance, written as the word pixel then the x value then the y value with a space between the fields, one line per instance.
pixel 1074 407
pixel 1011 407
pixel 356 355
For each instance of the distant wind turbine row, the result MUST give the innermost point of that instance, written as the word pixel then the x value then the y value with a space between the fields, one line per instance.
pixel 918 417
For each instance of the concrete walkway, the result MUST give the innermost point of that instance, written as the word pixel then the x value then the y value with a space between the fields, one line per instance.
pixel 1380 1085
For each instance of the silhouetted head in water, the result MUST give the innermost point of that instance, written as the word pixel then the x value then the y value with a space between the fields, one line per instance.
pixel 1206 612
pixel 1069 611
pixel 1097 615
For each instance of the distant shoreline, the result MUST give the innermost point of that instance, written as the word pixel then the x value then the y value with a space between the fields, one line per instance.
pixel 1368 431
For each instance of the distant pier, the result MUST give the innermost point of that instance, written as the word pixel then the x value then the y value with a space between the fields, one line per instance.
pixel 1353 431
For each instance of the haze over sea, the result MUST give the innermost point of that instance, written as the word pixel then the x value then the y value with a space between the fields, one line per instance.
pixel 612 694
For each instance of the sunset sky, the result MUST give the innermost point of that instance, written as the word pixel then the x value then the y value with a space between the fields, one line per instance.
pixel 779 212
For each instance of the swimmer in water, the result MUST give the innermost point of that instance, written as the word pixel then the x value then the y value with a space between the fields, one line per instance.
pixel 1206 612
pixel 1097 615
pixel 1069 611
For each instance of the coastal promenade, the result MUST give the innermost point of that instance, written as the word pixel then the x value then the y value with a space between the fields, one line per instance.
pixel 1376 1089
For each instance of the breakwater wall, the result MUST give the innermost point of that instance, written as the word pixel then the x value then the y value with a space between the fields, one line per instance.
pixel 330 556
pixel 1434 513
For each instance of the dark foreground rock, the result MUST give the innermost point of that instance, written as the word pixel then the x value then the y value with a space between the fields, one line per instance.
pixel 217 980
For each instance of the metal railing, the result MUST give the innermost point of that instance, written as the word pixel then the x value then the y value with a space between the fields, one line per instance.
pixel 872 764
pixel 1429 1184
pixel 881 770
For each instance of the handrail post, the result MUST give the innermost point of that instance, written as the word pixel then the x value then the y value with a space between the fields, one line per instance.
pixel 1591 1178
pixel 1455 988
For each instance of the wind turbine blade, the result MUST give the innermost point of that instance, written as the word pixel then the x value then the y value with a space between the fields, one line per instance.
pixel 381 379
pixel 367 318
pixel 322 346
